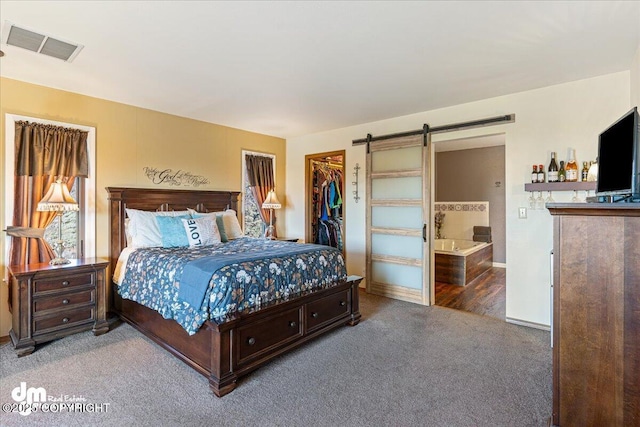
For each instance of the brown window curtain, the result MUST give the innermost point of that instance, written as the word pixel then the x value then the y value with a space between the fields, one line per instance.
pixel 261 181
pixel 43 153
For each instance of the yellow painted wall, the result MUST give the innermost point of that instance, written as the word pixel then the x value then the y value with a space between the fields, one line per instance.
pixel 129 138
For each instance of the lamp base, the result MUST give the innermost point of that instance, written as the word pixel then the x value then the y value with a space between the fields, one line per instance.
pixel 58 247
pixel 269 234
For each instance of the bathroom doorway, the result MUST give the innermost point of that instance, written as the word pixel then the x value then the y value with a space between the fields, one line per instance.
pixel 469 224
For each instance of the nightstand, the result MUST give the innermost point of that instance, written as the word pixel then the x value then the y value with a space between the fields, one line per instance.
pixel 288 239
pixel 53 301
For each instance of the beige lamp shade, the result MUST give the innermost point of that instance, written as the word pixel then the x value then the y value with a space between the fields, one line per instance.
pixel 57 199
pixel 271 202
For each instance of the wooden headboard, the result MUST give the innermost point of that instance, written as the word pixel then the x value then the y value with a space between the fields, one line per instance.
pixel 157 199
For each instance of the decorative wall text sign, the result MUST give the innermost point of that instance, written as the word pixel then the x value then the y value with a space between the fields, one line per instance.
pixel 173 178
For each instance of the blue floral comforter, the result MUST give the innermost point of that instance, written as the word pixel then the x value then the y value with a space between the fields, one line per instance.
pixel 152 278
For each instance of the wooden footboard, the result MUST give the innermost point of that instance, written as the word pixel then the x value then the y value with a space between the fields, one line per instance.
pixel 223 353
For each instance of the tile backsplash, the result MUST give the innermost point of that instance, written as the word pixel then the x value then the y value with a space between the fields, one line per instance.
pixel 461 217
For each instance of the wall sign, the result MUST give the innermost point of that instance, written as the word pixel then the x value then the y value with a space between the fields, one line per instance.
pixel 173 178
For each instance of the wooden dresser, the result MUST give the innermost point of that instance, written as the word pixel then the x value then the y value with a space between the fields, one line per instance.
pixel 596 314
pixel 50 302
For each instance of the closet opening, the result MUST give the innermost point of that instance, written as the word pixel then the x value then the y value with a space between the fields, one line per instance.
pixel 325 211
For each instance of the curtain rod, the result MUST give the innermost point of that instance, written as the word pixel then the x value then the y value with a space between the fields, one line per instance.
pixel 509 118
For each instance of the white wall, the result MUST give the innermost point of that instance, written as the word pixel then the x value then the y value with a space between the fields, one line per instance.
pixel 548 119
pixel 635 79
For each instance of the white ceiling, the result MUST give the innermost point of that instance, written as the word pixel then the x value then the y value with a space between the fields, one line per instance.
pixel 294 68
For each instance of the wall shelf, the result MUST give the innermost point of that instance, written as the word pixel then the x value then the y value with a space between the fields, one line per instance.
pixel 561 186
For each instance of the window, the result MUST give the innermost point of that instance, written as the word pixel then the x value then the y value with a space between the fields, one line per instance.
pixel 252 221
pixel 82 241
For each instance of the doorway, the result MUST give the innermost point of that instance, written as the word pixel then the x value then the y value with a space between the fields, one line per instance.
pixel 469 196
pixel 325 211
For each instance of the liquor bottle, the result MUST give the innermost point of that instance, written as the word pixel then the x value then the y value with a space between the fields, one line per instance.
pixel 571 170
pixel 534 174
pixel 562 174
pixel 585 171
pixel 540 173
pixel 593 171
pixel 552 175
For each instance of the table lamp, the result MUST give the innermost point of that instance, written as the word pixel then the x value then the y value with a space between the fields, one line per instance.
pixel 271 203
pixel 58 200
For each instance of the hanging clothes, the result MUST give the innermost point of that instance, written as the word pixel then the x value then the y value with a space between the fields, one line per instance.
pixel 327 205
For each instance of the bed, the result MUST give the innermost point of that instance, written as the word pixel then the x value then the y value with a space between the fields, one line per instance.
pixel 225 350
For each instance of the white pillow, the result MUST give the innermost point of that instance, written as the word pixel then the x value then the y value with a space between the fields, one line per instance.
pixel 230 220
pixel 144 229
pixel 231 224
pixel 201 231
pixel 127 231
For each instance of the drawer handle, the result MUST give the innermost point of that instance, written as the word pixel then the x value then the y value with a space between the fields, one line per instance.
pixel 65 283
pixel 342 303
pixel 65 301
pixel 251 341
pixel 314 314
pixel 65 320
pixel 293 324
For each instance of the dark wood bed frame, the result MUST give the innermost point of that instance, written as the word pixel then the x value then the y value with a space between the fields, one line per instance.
pixel 223 353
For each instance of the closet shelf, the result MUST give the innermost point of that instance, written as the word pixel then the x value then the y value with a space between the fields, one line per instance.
pixel 561 186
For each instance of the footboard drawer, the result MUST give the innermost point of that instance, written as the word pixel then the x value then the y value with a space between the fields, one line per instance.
pixel 327 309
pixel 257 339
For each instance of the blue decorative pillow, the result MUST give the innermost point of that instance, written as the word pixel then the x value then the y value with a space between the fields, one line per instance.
pixel 220 224
pixel 172 231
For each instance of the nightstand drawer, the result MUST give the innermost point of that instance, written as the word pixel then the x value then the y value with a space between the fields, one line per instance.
pixel 63 300
pixel 62 283
pixel 63 320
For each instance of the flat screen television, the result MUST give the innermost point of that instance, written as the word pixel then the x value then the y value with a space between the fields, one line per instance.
pixel 619 159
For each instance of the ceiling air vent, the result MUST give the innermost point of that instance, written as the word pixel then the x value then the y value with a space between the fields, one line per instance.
pixel 40 43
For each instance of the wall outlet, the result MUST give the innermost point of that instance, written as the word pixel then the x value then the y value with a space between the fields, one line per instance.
pixel 522 213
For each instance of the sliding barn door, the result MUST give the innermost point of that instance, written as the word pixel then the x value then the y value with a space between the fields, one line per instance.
pixel 398 256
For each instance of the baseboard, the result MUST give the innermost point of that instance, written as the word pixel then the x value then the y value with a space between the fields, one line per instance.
pixel 4 340
pixel 528 324
pixel 500 265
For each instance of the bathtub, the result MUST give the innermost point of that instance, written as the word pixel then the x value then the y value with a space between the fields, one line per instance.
pixel 458 262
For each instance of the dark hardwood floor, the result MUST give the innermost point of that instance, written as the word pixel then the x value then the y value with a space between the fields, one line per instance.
pixel 485 295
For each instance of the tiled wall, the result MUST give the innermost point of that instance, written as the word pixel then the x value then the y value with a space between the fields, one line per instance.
pixel 461 217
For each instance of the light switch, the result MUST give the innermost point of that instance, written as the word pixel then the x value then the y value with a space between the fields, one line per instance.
pixel 522 213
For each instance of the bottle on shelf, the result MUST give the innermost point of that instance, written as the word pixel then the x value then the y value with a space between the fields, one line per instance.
pixel 552 174
pixel 562 173
pixel 571 170
pixel 585 171
pixel 540 173
pixel 534 174
pixel 593 171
